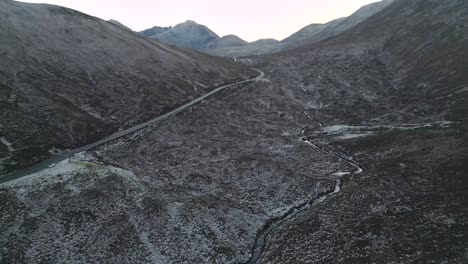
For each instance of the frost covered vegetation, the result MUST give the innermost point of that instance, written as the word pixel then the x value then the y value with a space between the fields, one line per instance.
pixel 342 153
pixel 194 181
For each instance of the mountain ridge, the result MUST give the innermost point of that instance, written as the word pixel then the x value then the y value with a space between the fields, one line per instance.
pixel 309 34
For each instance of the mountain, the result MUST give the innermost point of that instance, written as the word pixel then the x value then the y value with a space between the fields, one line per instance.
pixel 186 35
pixel 67 79
pixel 194 36
pixel 227 41
pixel 154 31
pixel 117 23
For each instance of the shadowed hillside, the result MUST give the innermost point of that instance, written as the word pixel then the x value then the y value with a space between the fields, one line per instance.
pixel 67 78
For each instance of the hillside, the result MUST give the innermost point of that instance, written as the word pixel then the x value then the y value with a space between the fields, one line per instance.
pixel 425 69
pixel 344 24
pixel 378 88
pixel 67 78
pixel 317 32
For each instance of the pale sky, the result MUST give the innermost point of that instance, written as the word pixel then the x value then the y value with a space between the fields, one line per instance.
pixel 248 19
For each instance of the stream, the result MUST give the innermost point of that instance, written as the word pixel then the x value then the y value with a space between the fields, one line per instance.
pixel 345 131
pixel 264 233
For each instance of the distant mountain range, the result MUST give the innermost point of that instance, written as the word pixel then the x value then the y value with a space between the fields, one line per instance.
pixel 194 36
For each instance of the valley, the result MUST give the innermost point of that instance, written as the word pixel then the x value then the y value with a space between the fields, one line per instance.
pixel 349 146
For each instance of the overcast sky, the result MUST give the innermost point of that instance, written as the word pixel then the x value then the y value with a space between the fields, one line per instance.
pixel 248 19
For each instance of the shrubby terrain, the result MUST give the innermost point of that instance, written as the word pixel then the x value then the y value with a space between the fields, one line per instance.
pixel 349 150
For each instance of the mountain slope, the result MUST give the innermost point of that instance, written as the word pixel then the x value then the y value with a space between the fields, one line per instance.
pixel 67 78
pixel 317 32
pixel 357 17
pixel 422 44
pixel 396 45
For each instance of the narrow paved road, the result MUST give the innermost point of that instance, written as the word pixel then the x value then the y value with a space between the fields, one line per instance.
pixel 56 159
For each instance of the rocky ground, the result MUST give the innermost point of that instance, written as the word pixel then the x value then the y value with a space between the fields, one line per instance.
pixel 204 185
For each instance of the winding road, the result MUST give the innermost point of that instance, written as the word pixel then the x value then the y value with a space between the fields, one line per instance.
pixel 62 156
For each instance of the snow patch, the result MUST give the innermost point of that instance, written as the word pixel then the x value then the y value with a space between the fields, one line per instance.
pixel 66 169
pixel 341 173
pixel 351 136
pixel 12 98
pixel 54 151
pixel 462 90
pixel 7 144
pixel 359 170
pixel 337 129
pixel 313 105
pixel 201 84
pixel 45 177
pixel 91 111
pixel 263 80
